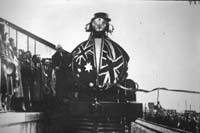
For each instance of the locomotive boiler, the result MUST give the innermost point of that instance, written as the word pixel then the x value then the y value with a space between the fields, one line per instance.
pixel 104 99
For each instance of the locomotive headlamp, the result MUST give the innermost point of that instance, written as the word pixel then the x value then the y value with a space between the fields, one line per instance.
pixel 99 24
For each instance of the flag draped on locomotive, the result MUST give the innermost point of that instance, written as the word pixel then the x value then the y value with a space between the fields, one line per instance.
pixel 98 63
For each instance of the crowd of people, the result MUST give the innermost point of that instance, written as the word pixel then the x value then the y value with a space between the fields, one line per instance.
pixel 27 80
pixel 187 121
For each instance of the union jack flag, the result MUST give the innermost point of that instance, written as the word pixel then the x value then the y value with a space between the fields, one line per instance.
pixel 112 63
pixel 81 54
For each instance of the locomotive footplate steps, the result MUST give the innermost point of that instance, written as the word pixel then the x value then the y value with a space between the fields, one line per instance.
pixel 101 125
pixel 103 117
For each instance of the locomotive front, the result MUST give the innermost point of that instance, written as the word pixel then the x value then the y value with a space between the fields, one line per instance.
pixel 99 66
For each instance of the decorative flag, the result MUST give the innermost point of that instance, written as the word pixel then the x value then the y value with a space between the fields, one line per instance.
pixel 98 63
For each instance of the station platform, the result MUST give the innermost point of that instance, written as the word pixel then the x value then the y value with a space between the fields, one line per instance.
pixel 21 122
pixel 33 122
pixel 142 126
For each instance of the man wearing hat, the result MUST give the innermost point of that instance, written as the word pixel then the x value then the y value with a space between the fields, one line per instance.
pixel 60 62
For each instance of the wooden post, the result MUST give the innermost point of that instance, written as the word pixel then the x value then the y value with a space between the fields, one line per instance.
pixel 35 47
pixel 158 95
pixel 27 43
pixel 16 39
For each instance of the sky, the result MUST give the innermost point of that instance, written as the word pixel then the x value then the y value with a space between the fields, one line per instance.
pixel 162 39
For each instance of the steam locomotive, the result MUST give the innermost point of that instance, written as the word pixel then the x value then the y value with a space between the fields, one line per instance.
pixel 105 99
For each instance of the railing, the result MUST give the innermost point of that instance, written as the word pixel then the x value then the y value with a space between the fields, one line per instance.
pixel 26 40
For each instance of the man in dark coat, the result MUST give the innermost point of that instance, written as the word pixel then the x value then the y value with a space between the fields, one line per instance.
pixel 27 76
pixel 61 62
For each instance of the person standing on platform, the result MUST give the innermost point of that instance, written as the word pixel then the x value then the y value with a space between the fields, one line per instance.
pixel 3 75
pixel 61 62
pixel 26 73
pixel 39 84
pixel 6 88
pixel 17 102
